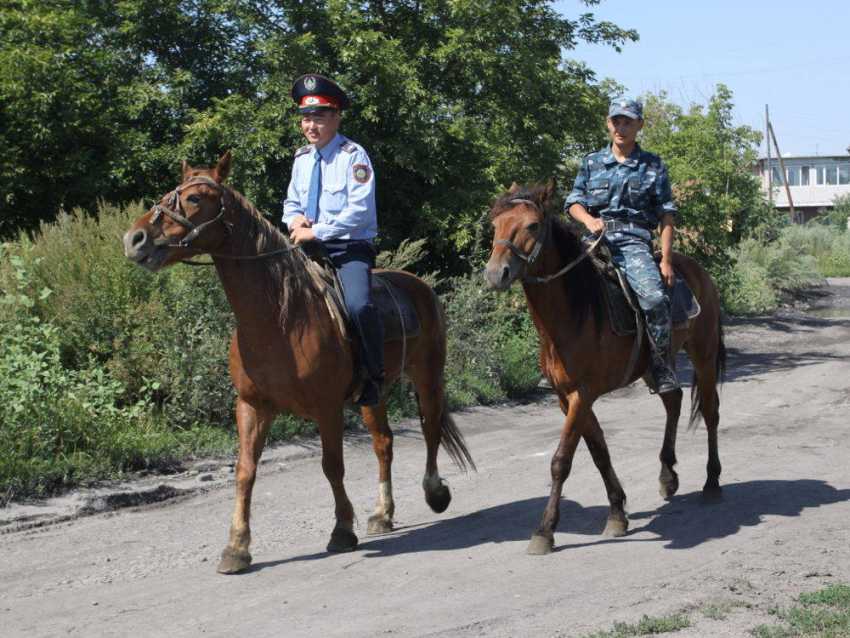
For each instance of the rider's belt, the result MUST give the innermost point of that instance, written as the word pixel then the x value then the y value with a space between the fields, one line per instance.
pixel 615 226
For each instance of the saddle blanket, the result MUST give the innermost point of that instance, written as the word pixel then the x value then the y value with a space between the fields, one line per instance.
pixel 684 305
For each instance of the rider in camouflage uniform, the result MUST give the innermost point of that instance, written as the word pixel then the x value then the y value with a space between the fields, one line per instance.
pixel 625 191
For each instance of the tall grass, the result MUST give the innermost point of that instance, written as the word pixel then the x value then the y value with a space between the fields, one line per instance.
pixel 109 368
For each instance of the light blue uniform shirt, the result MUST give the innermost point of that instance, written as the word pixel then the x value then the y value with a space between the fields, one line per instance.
pixel 347 200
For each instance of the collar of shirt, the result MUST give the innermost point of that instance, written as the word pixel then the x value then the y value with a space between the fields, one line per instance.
pixel 328 150
pixel 631 160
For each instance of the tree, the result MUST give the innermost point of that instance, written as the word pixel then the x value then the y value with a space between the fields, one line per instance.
pixel 710 164
pixel 453 99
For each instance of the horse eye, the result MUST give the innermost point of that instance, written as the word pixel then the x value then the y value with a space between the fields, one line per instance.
pixel 194 198
pixel 532 228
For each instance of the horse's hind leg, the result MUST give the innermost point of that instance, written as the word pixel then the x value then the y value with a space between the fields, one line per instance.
pixel 709 402
pixel 668 479
pixel 343 538
pixel 375 418
pixel 252 424
pixel 617 523
pixel 431 400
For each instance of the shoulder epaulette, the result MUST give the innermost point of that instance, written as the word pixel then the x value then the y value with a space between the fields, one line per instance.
pixel 303 150
pixel 348 146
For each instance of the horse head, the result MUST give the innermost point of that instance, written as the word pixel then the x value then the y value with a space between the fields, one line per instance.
pixel 520 227
pixel 188 221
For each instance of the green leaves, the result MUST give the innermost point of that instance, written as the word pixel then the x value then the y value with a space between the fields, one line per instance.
pixel 452 98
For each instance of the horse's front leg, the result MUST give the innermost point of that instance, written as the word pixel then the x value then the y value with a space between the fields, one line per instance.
pixel 331 426
pixel 543 540
pixel 375 418
pixel 252 424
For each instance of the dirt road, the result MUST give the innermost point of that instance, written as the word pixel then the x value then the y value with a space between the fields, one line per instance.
pixel 782 528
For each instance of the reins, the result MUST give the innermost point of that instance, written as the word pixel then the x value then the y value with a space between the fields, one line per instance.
pixel 530 257
pixel 174 210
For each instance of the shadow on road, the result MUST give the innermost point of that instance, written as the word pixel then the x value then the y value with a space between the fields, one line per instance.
pixel 683 522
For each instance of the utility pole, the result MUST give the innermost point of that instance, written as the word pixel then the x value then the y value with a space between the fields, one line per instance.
pixel 782 169
pixel 769 167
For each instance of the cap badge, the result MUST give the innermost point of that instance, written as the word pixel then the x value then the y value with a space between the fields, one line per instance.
pixel 311 99
pixel 310 83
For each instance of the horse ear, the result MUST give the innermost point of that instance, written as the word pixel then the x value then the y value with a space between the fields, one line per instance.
pixel 222 169
pixel 184 169
pixel 514 188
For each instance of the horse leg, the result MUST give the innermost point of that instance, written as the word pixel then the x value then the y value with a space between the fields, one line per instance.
pixel 252 425
pixel 668 479
pixel 710 407
pixel 375 418
pixel 543 540
pixel 617 523
pixel 429 393
pixel 343 538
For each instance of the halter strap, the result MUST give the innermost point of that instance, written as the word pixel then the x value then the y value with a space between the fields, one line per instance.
pixel 531 256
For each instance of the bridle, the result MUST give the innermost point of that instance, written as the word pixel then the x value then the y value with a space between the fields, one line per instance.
pixel 174 210
pixel 530 257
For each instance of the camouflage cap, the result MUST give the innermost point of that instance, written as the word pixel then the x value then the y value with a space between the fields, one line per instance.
pixel 626 106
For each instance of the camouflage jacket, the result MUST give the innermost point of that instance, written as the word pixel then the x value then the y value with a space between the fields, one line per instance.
pixel 638 190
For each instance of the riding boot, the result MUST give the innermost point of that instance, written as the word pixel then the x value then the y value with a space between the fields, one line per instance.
pixel 658 326
pixel 663 376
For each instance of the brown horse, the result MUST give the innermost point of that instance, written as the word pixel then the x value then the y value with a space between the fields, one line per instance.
pixel 583 358
pixel 288 354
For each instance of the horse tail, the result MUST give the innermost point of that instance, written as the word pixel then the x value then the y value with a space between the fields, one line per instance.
pixel 720 374
pixel 453 441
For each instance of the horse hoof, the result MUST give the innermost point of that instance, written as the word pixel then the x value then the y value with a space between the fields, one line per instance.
pixel 540 545
pixel 712 494
pixel 668 488
pixel 233 561
pixel 616 527
pixel 379 524
pixel 342 540
pixel 438 499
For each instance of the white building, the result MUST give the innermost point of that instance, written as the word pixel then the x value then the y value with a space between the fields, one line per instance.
pixel 814 181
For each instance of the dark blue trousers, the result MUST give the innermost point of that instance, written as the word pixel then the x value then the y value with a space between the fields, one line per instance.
pixel 354 261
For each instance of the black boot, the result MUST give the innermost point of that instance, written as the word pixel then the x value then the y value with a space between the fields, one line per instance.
pixel 370 394
pixel 663 375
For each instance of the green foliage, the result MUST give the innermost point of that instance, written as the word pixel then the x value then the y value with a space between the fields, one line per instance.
pixel 838 217
pixel 825 614
pixel 492 344
pixel 763 271
pixel 827 244
pixel 647 625
pixel 453 99
pixel 61 425
pixel 710 162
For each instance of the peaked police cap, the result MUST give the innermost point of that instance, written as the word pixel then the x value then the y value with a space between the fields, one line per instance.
pixel 312 92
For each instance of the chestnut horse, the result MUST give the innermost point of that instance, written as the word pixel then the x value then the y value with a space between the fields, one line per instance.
pixel 287 353
pixel 583 358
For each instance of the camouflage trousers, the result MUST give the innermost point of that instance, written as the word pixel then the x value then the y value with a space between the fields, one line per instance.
pixel 632 254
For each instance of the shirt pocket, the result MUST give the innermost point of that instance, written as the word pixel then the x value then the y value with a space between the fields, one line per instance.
pixel 640 191
pixel 597 192
pixel 334 196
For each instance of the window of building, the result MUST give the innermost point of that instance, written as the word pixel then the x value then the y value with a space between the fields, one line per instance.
pixel 819 178
pixel 804 176
pixel 793 175
pixel 777 177
pixel 844 173
pixel 831 175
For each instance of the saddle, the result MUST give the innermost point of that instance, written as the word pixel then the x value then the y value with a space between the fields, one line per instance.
pixel 623 309
pixel 394 305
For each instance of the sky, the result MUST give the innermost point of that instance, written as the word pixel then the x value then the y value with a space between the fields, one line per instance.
pixel 792 56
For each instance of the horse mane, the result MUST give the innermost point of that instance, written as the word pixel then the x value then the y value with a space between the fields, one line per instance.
pixel 582 285
pixel 285 278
